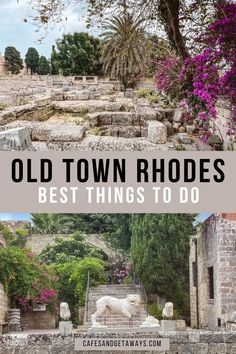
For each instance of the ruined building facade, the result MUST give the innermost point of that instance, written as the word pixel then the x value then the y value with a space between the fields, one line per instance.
pixel 213 272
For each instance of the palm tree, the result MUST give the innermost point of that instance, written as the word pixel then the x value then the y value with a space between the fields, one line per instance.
pixel 125 49
pixel 50 223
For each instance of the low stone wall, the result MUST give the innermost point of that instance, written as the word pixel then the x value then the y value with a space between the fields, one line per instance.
pixel 189 342
pixel 38 320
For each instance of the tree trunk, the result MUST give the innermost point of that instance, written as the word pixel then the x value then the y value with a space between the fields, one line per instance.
pixel 169 11
pixel 173 9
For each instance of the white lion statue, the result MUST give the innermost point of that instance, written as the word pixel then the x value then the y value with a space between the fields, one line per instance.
pixel 168 310
pixel 150 321
pixel 65 311
pixel 126 307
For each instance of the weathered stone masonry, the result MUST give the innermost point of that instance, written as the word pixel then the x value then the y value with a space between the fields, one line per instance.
pixel 191 342
pixel 213 272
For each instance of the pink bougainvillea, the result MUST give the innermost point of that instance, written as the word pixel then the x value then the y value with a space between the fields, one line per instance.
pixel 45 296
pixel 207 75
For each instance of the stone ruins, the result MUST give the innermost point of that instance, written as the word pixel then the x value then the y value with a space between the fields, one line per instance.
pixel 213 272
pixel 89 113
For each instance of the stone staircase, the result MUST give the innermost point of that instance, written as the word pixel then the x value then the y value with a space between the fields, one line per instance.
pixel 119 291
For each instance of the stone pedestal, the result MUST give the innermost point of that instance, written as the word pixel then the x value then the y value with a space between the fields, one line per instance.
pixel 14 324
pixel 65 327
pixel 168 325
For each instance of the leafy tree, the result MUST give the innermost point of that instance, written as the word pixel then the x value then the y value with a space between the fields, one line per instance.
pixel 180 20
pixel 78 54
pixel 120 235
pixel 43 66
pixel 73 277
pixel 32 60
pixel 79 277
pixel 69 249
pixel 13 60
pixel 160 249
pixel 125 49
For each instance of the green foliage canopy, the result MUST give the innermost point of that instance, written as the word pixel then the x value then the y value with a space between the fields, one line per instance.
pixel 77 54
pixel 70 248
pixel 160 250
pixel 22 275
pixel 13 60
pixel 32 60
pixel 43 67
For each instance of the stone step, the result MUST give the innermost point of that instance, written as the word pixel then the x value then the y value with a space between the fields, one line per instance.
pixel 118 291
pixel 118 320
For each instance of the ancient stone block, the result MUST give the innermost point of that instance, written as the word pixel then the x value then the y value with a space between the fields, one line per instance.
pixel 217 348
pixel 145 114
pixel 169 126
pixel 67 133
pixel 194 337
pixel 180 325
pixel 122 118
pixel 168 325
pixel 190 129
pixel 129 131
pixel 184 138
pixel 15 139
pixel 157 133
pixel 178 116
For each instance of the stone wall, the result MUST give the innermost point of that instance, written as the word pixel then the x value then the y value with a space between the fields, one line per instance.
pixel 3 305
pixel 194 342
pixel 39 320
pixel 216 248
pixel 224 122
pixel 13 225
pixel 37 242
pixel 3 297
pixel 192 283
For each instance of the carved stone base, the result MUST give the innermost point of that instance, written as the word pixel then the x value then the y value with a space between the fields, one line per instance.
pixel 65 327
pixel 168 325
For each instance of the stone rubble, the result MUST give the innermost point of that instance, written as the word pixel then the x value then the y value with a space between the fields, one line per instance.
pixel 76 112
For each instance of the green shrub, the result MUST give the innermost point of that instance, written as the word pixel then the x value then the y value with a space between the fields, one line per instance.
pixel 143 92
pixel 154 98
pixel 3 106
pixel 155 310
pixel 22 276
pixel 94 131
pixel 73 277
pixel 24 100
pixel 83 110
pixel 179 147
